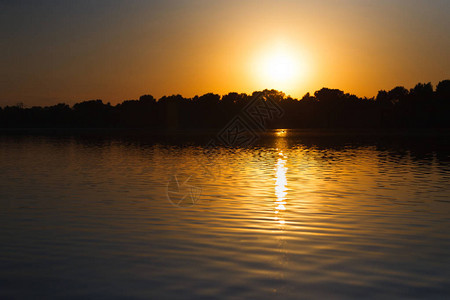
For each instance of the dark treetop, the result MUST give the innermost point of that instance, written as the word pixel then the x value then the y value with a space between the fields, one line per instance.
pixel 419 107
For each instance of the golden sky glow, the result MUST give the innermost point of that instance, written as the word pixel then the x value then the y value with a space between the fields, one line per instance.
pixel 117 50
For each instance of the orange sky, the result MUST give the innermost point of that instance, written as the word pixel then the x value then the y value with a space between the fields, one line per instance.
pixel 115 50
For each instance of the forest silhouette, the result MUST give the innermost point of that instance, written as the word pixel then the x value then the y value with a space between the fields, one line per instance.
pixel 419 107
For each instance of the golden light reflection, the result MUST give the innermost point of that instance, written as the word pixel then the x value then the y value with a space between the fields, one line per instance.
pixel 281 132
pixel 280 188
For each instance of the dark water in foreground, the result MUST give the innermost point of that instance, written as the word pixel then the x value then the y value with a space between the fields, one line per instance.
pixel 291 217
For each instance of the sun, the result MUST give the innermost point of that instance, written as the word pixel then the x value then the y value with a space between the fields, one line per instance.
pixel 279 67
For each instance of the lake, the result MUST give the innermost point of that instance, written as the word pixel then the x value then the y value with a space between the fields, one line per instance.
pixel 291 216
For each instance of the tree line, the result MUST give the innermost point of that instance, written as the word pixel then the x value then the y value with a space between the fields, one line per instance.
pixel 419 107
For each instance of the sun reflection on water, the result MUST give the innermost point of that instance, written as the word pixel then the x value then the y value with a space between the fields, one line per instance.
pixel 280 188
pixel 281 132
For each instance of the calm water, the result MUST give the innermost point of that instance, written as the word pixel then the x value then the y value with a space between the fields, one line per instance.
pixel 291 217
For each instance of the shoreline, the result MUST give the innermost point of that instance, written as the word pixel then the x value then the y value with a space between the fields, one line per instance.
pixel 405 132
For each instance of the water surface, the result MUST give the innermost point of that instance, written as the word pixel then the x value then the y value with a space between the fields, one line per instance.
pixel 289 217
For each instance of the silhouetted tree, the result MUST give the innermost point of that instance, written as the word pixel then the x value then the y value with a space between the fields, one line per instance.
pixel 443 104
pixel 443 90
pixel 420 106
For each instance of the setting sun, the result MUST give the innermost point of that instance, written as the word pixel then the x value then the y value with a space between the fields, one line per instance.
pixel 280 67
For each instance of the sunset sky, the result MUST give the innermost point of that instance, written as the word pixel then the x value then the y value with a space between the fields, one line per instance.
pixel 68 51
